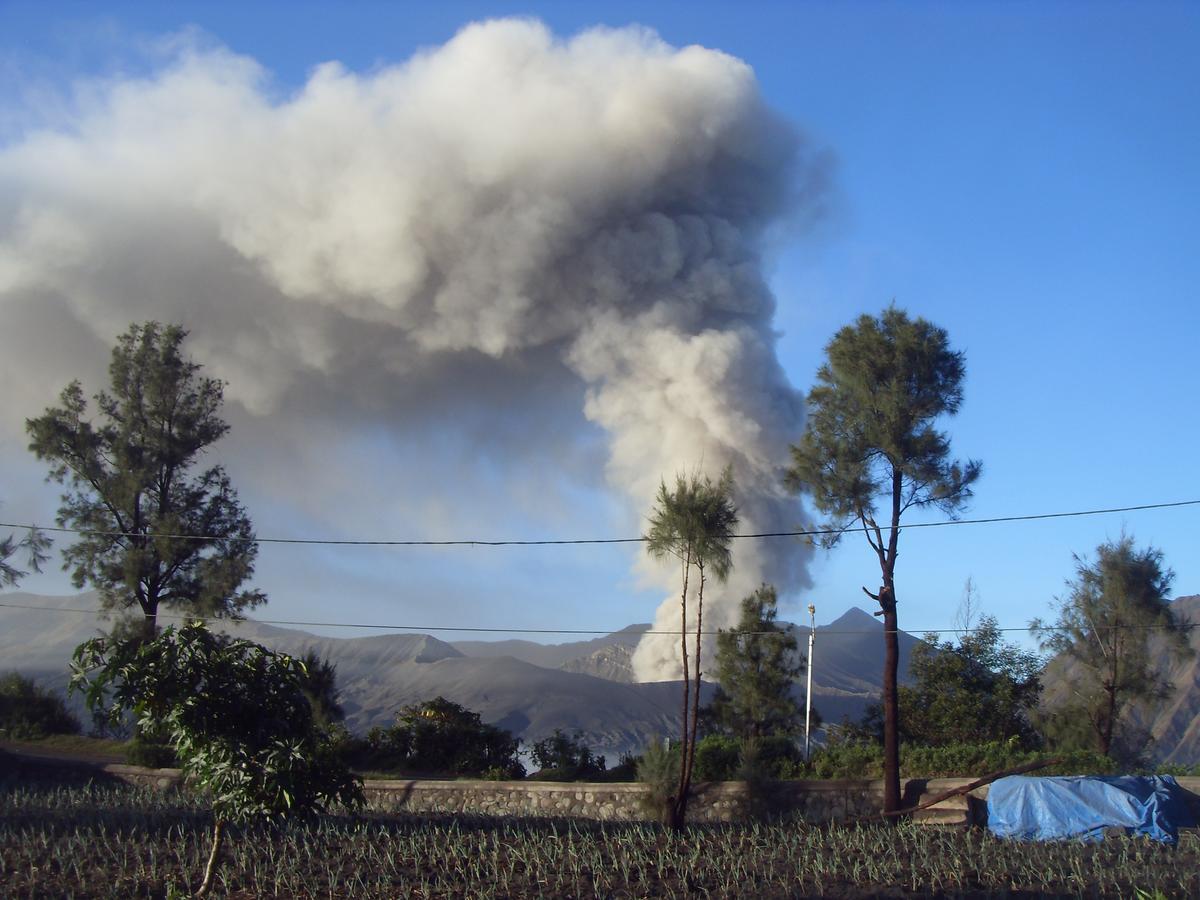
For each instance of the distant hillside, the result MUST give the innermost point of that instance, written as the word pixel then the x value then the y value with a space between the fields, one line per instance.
pixel 380 674
pixel 605 657
pixel 526 687
pixel 849 653
pixel 613 663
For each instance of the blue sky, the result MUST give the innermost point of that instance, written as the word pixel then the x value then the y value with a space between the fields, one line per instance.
pixel 1024 175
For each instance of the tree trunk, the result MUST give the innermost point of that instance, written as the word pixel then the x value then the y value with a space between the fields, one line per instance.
pixel 891 656
pixel 679 804
pixel 149 619
pixel 211 868
pixel 689 748
pixel 1107 720
pixel 891 706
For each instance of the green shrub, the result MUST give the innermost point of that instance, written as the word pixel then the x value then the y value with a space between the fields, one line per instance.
pixel 717 757
pixel 28 711
pixel 150 752
pixel 776 756
pixel 1177 769
pixel 564 758
pixel 854 759
pixel 236 714
pixel 759 767
pixel 437 737
pixel 844 760
pixel 624 770
pixel 959 760
pixel 722 757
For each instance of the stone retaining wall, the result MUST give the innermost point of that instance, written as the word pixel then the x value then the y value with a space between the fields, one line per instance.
pixel 810 801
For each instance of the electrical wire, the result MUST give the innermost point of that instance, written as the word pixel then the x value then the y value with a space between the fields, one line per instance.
pixel 813 532
pixel 823 630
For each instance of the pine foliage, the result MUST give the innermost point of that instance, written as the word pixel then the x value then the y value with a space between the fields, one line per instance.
pixel 757 665
pixel 156 528
pixel 873 450
pixel 693 523
pixel 873 422
pixel 1113 610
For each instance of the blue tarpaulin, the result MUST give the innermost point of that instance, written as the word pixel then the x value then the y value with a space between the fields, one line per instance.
pixel 1083 806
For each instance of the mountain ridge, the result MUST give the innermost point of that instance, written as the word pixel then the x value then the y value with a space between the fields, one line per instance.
pixel 587 686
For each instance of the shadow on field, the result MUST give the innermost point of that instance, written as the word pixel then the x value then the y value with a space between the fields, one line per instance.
pixel 30 772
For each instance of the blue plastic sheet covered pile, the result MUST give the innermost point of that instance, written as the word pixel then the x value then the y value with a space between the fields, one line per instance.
pixel 1083 806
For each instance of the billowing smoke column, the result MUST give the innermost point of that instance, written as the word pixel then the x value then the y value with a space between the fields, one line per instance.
pixel 595 207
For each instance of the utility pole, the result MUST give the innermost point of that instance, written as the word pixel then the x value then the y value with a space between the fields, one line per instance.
pixel 812 634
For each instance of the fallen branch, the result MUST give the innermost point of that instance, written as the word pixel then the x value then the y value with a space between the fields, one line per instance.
pixel 965 789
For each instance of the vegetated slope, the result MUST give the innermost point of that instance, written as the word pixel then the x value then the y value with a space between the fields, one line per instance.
pixel 1174 723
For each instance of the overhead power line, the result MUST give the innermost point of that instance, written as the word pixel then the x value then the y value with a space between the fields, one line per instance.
pixel 811 532
pixel 424 629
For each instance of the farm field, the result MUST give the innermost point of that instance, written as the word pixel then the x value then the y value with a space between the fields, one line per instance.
pixel 102 840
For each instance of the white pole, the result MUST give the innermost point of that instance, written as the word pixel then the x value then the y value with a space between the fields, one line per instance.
pixel 812 634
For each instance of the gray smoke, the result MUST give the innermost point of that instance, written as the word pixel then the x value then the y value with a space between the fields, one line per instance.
pixel 500 230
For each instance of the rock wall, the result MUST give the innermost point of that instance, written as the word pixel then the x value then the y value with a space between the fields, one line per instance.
pixel 809 801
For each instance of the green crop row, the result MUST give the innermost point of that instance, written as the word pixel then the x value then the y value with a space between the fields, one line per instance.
pixel 116 841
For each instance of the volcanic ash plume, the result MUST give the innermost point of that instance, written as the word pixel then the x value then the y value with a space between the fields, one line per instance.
pixel 591 209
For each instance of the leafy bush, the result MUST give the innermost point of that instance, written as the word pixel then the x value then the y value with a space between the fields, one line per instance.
pixel 438 737
pixel 981 688
pixel 236 715
pixel 717 757
pixel 1178 770
pixel 624 770
pixel 727 758
pixel 28 711
pixel 564 758
pixel 853 759
pixel 150 752
pixel 996 756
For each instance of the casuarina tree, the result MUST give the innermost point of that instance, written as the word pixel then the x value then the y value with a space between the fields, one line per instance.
pixel 155 528
pixel 693 523
pixel 873 451
pixel 1116 626
pixel 32 546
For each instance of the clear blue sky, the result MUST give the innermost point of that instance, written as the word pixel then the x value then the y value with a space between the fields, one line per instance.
pixel 1023 174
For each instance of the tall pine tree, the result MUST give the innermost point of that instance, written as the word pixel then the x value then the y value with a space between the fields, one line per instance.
pixel 872 451
pixel 155 530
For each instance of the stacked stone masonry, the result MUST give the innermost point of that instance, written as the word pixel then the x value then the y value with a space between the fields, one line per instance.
pixel 810 801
